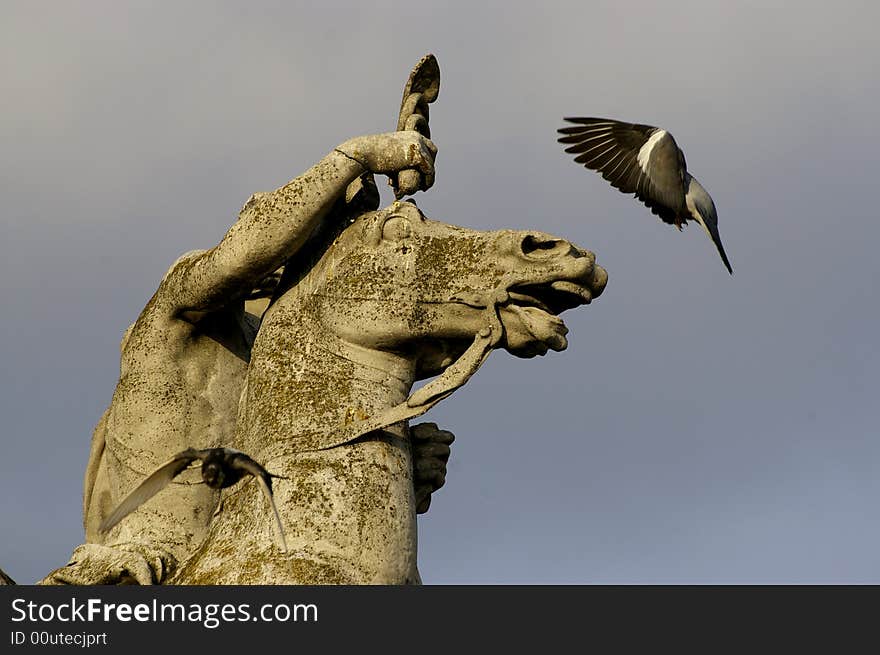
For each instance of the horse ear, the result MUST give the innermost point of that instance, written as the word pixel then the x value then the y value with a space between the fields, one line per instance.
pixel 394 223
pixel 396 227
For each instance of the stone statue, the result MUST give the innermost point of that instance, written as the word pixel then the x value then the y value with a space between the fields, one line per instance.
pixel 396 298
pixel 363 303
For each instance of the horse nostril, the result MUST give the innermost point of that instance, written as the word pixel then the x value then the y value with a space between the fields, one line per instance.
pixel 542 246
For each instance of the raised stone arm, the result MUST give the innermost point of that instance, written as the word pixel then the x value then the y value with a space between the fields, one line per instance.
pixel 273 226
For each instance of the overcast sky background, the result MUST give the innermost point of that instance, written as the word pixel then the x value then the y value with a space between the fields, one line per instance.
pixel 701 428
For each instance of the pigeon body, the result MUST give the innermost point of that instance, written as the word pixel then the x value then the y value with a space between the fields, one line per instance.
pixel 221 468
pixel 646 161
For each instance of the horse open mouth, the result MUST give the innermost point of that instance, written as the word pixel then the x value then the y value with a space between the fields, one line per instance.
pixel 535 327
pixel 554 297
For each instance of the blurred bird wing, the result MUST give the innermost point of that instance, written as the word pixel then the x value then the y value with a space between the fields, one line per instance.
pixel 267 491
pixel 635 158
pixel 264 479
pixel 152 485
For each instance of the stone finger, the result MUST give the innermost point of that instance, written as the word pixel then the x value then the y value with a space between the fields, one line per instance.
pixel 433 450
pixel 425 469
pixel 422 431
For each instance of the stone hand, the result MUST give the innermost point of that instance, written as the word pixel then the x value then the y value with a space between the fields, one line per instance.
pixel 129 563
pixel 431 450
pixel 393 152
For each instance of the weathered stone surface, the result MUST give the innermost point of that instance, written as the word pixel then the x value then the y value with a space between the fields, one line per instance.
pixel 316 384
pixel 396 298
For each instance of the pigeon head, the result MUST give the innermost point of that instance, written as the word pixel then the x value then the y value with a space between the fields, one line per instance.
pixel 213 474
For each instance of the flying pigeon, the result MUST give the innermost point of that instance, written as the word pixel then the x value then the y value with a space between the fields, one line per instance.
pixel 646 161
pixel 221 468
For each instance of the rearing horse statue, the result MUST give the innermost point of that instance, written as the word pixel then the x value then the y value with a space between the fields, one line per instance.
pixel 395 298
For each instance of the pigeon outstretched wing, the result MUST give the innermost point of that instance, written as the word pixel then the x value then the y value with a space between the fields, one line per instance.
pixel 639 159
pixel 264 479
pixel 157 481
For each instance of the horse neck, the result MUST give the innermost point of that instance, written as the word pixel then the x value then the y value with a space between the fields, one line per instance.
pixel 305 380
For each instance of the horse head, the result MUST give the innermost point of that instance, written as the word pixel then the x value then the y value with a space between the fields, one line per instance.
pixel 395 280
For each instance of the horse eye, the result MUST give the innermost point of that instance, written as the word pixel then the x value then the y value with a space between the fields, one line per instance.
pixel 396 228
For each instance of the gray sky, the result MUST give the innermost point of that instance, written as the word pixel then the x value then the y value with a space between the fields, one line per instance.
pixel 700 427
